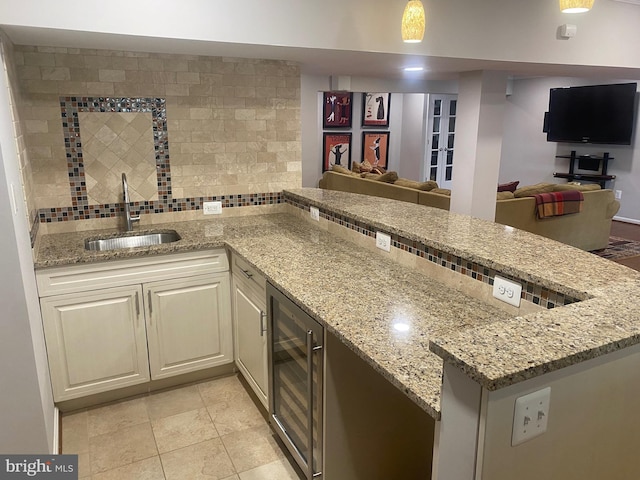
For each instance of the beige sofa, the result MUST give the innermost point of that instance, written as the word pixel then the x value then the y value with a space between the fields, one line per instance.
pixel 588 230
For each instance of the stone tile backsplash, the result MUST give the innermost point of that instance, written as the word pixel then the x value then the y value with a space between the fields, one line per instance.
pixel 231 125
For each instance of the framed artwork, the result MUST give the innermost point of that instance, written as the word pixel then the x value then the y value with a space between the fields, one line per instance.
pixel 336 150
pixel 375 148
pixel 375 109
pixel 336 110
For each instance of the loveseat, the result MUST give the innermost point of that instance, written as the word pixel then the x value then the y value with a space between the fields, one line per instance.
pixel 587 230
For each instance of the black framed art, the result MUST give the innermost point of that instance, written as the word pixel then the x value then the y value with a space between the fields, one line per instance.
pixel 375 109
pixel 336 109
pixel 336 150
pixel 375 148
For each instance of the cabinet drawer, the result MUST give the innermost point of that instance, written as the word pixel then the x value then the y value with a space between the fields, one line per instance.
pixel 242 269
pixel 92 276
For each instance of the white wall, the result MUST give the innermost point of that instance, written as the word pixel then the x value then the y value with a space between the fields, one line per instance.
pixel 529 158
pixel 501 30
pixel 26 403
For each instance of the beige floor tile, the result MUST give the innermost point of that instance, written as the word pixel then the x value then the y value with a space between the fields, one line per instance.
pixel 231 416
pixel 279 470
pixel 122 447
pixel 147 469
pixel 75 434
pixel 226 389
pixel 116 416
pixel 252 447
pixel 172 402
pixel 232 477
pixel 207 460
pixel 183 429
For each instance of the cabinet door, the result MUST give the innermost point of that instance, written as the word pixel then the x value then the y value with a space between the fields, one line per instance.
pixel 96 341
pixel 251 337
pixel 188 324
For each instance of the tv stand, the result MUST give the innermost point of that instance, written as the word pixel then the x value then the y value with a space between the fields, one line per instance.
pixel 587 162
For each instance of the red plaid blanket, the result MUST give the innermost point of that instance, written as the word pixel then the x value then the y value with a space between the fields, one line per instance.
pixel 558 203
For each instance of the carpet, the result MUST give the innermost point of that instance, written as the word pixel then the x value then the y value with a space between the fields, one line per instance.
pixel 619 248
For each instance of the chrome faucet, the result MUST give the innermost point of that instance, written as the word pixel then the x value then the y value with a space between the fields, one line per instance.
pixel 127 210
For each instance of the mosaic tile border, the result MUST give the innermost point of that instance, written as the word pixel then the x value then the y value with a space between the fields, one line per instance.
pixel 64 214
pixel 533 293
pixel 69 109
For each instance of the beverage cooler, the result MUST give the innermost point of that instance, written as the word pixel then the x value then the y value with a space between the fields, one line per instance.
pixel 295 349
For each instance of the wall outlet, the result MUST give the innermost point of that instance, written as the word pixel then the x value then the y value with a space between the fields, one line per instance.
pixel 618 194
pixel 531 415
pixel 507 291
pixel 212 208
pixel 383 241
pixel 315 213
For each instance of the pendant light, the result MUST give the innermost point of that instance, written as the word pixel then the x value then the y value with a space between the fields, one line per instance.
pixel 575 6
pixel 413 22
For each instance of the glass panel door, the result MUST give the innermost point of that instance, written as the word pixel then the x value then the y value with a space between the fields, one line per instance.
pixel 441 139
pixel 295 380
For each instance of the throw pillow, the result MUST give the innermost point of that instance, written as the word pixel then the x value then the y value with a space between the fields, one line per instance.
pixel 355 167
pixel 508 187
pixel 365 167
pixel 504 195
pixel 441 191
pixel 388 177
pixel 341 169
pixel 424 186
pixel 531 190
pixel 587 187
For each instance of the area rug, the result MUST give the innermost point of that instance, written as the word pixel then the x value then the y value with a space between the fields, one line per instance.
pixel 619 248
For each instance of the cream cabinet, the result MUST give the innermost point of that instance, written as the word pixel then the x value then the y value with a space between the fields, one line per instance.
pixel 126 322
pixel 96 341
pixel 250 323
pixel 188 324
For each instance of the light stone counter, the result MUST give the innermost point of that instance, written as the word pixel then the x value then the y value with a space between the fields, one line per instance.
pixel 394 317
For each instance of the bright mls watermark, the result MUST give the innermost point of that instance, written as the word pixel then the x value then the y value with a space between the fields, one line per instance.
pixel 49 467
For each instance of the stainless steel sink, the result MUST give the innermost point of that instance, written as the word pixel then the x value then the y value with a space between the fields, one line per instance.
pixel 131 240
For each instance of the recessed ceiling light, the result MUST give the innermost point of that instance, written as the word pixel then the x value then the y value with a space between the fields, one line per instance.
pixel 413 69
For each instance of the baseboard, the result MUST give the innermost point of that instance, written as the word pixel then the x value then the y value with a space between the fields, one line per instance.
pixel 627 220
pixel 56 431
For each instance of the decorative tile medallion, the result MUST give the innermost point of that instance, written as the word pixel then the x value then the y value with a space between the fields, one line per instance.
pixel 81 209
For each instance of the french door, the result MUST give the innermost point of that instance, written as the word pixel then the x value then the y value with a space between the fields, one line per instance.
pixel 440 139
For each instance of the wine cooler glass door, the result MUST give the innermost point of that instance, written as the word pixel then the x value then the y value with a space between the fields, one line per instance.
pixel 295 348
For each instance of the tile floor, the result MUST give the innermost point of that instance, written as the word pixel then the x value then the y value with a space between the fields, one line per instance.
pixel 211 430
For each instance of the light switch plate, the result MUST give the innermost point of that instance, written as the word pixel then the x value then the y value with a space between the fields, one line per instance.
pixel 531 415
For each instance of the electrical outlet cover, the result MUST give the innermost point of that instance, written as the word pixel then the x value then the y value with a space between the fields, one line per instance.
pixel 315 213
pixel 531 416
pixel 212 208
pixel 507 291
pixel 383 241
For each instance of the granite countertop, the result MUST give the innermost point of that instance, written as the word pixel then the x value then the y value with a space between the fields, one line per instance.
pixel 401 322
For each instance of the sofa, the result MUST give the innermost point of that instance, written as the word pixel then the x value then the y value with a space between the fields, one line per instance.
pixel 588 230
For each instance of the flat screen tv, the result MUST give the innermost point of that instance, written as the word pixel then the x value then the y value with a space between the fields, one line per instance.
pixel 592 114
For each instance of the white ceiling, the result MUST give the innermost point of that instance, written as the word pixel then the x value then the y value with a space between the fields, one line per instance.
pixel 311 60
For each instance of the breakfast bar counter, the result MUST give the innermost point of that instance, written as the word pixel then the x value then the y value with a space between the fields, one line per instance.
pixel 399 320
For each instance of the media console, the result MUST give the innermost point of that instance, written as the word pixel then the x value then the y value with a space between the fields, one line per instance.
pixel 587 162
